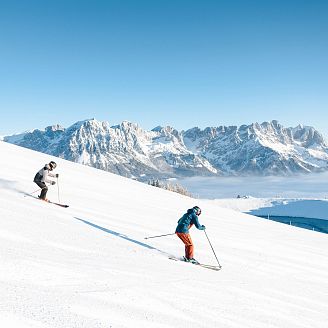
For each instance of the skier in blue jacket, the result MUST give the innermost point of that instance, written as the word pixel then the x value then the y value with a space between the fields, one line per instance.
pixel 182 231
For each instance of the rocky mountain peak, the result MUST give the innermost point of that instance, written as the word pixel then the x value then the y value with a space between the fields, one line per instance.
pixel 256 149
pixel 54 128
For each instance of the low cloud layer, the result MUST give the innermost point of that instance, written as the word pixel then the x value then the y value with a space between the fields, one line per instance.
pixel 304 186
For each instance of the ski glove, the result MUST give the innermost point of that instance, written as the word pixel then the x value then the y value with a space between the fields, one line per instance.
pixel 203 227
pixel 57 175
pixel 53 182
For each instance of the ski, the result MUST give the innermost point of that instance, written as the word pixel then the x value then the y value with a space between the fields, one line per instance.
pixel 206 266
pixel 58 204
pixel 47 201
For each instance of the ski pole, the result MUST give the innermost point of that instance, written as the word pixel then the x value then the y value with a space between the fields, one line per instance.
pixel 169 234
pixel 212 249
pixel 36 191
pixel 58 190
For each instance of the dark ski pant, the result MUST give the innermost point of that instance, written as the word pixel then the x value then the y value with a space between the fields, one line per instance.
pixel 189 246
pixel 44 189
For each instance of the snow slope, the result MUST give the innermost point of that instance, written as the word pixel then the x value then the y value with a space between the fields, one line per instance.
pixel 90 266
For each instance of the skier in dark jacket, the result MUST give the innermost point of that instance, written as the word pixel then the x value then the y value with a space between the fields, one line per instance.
pixel 182 231
pixel 41 178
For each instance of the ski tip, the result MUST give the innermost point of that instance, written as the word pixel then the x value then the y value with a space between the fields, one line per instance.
pixel 62 205
pixel 58 204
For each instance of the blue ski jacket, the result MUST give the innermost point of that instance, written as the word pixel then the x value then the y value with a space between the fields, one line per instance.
pixel 188 219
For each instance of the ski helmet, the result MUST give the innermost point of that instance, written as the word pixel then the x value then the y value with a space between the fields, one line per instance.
pixel 52 165
pixel 198 210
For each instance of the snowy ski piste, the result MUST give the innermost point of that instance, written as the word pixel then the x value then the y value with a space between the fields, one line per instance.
pixel 89 265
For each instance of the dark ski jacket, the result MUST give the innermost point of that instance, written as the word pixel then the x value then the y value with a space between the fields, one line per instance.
pixel 42 175
pixel 187 221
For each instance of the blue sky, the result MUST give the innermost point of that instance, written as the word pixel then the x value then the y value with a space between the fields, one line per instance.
pixel 182 63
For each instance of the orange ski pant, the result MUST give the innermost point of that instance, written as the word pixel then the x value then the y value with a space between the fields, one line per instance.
pixel 189 246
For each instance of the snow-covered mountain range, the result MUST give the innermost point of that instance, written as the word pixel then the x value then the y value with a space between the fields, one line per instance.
pixel 128 150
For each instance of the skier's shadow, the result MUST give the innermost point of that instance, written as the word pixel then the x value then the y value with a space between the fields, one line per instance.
pixel 117 234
